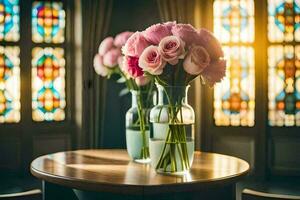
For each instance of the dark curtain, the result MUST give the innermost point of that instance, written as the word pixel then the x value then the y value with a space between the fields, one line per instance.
pixel 127 15
pixel 96 16
pixel 180 10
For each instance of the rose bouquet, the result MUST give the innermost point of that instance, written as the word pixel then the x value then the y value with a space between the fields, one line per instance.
pixel 173 54
pixel 108 62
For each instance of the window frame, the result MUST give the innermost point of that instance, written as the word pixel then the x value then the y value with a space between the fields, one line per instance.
pixel 27 132
pixel 26 45
pixel 210 133
pixel 263 136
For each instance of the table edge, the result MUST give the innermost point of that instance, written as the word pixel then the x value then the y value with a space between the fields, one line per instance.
pixel 84 184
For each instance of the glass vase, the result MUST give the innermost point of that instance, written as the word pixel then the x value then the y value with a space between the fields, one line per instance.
pixel 137 127
pixel 172 131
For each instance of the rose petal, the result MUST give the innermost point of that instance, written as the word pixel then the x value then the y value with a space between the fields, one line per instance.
pixel 121 38
pixel 171 48
pixel 131 66
pixel 110 59
pixel 151 61
pixel 100 69
pixel 135 45
pixel 211 44
pixel 196 60
pixel 187 33
pixel 106 45
pixel 214 72
pixel 142 80
pixel 155 33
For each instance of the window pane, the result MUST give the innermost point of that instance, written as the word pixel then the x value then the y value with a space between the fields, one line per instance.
pixel 234 20
pixel 48 22
pixel 48 84
pixel 284 85
pixel 9 20
pixel 284 20
pixel 9 84
pixel 234 97
pixel 284 63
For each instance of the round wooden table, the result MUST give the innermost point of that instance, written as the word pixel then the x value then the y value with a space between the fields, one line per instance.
pixel 109 174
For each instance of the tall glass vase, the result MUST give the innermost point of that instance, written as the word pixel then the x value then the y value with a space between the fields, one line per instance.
pixel 172 138
pixel 137 127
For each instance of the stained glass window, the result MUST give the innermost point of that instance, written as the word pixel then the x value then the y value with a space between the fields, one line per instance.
pixel 48 63
pixel 9 20
pixel 284 63
pixel 284 20
pixel 284 85
pixel 48 22
pixel 9 84
pixel 234 20
pixel 234 97
pixel 48 84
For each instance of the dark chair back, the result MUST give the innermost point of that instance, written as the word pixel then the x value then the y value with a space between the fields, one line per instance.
pixel 35 194
pixel 257 195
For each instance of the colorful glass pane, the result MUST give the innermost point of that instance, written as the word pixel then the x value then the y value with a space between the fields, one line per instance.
pixel 48 84
pixel 284 20
pixel 284 85
pixel 234 20
pixel 234 98
pixel 48 22
pixel 9 84
pixel 9 20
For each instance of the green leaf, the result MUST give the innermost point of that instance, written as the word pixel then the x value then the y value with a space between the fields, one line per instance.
pixel 121 80
pixel 123 92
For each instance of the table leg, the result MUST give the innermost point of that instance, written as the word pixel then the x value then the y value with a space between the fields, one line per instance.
pixel 88 195
pixel 56 192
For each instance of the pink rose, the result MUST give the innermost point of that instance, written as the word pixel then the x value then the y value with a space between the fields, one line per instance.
pixel 99 67
pixel 131 66
pixel 155 33
pixel 151 61
pixel 214 72
pixel 121 38
pixel 171 48
pixel 196 60
pixel 110 59
pixel 142 80
pixel 106 45
pixel 135 45
pixel 211 44
pixel 120 63
pixel 169 25
pixel 122 67
pixel 187 33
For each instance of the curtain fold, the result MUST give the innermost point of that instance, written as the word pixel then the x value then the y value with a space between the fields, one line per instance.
pixel 96 16
pixel 180 10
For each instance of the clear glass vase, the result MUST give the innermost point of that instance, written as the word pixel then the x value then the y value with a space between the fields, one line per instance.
pixel 172 131
pixel 137 127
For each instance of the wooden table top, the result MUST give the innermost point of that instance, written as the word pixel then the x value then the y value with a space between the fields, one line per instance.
pixel 112 171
